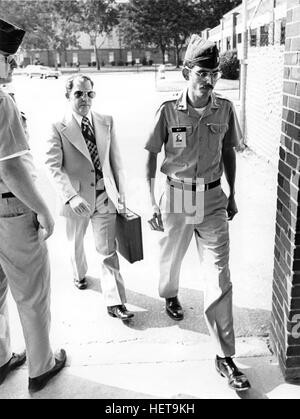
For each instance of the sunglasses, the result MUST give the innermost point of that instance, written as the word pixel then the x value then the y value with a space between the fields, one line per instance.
pixel 216 75
pixel 80 93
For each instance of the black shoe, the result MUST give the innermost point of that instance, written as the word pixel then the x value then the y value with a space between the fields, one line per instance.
pixel 174 309
pixel 120 312
pixel 236 379
pixel 15 361
pixel 81 284
pixel 38 383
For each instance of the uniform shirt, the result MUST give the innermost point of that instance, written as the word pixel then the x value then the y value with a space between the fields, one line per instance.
pixel 193 144
pixel 13 141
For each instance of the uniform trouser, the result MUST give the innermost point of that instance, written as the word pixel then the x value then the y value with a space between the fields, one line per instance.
pixel 212 238
pixel 103 223
pixel 25 269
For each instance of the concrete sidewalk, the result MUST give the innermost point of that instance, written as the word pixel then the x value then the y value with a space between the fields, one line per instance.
pixel 153 357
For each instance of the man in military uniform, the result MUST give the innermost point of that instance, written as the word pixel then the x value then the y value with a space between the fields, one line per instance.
pixel 25 224
pixel 199 131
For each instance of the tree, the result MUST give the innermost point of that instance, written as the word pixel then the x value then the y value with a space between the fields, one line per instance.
pixel 98 18
pixel 50 24
pixel 211 11
pixel 169 23
pixel 146 22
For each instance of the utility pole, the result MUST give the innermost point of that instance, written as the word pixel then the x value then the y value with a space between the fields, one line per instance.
pixel 244 64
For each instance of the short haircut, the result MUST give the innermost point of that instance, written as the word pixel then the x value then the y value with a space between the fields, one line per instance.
pixel 81 77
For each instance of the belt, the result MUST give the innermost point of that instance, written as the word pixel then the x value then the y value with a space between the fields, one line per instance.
pixel 180 184
pixel 7 195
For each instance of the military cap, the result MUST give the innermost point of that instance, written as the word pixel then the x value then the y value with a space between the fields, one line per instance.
pixel 10 37
pixel 202 52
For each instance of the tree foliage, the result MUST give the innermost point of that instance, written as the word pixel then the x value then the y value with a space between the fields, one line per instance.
pixel 211 11
pixel 97 18
pixel 169 23
pixel 55 24
pixel 48 24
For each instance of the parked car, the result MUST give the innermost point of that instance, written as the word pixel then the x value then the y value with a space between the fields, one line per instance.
pixel 41 71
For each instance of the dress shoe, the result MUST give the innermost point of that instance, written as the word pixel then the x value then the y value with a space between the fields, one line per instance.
pixel 120 311
pixel 174 309
pixel 15 361
pixel 81 284
pixel 236 379
pixel 38 383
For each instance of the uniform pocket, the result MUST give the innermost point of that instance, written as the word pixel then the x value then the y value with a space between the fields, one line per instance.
pixel 13 209
pixel 216 133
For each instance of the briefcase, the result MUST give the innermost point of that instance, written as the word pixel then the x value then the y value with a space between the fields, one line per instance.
pixel 129 236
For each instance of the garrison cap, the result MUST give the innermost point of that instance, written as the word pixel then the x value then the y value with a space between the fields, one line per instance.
pixel 202 52
pixel 10 37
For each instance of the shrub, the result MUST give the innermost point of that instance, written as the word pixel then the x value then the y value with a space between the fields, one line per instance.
pixel 121 63
pixel 150 62
pixel 230 65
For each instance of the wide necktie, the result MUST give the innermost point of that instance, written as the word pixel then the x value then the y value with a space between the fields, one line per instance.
pixel 89 136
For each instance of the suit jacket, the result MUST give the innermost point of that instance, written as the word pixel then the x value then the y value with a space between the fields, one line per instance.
pixel 70 164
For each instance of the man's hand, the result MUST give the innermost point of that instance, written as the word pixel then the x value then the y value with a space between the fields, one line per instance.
pixel 46 225
pixel 121 204
pixel 231 207
pixel 80 206
pixel 156 220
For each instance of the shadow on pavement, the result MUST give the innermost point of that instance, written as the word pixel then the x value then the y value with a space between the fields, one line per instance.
pixel 67 385
pixel 248 322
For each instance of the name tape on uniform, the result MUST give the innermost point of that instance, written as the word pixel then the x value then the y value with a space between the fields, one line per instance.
pixel 179 137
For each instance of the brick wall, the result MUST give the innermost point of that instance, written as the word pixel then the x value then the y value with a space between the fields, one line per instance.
pixel 264 99
pixel 286 284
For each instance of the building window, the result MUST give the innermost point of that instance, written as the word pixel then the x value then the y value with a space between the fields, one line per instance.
pixel 93 58
pixel 282 31
pixel 239 38
pixel 264 35
pixel 253 37
pixel 111 57
pixel 75 58
pixel 228 43
pixel 129 56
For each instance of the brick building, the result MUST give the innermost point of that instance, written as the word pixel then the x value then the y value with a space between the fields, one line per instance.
pixel 273 130
pixel 286 285
pixel 266 25
pixel 110 50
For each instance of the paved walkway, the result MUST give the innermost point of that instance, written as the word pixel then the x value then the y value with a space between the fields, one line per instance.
pixel 152 357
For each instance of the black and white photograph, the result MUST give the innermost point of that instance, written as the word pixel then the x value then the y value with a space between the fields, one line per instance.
pixel 150 202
